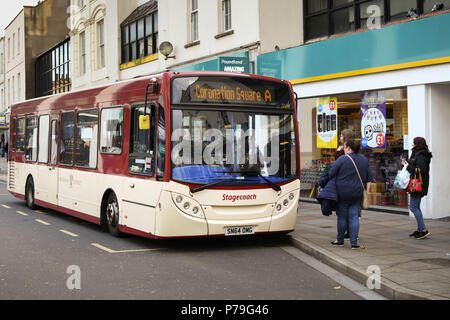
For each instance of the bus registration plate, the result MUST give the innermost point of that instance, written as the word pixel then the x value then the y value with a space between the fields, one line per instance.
pixel 235 231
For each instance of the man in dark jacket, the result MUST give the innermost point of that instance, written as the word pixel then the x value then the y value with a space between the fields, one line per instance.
pixel 420 159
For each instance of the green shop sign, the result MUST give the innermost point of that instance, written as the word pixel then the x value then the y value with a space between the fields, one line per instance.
pixel 233 64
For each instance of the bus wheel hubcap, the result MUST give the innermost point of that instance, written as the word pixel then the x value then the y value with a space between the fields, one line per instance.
pixel 112 213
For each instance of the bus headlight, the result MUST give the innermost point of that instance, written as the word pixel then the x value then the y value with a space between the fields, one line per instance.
pixel 187 205
pixel 285 202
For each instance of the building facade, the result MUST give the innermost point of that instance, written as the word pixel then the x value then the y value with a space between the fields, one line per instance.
pixel 3 122
pixel 95 40
pixel 367 67
pixel 31 33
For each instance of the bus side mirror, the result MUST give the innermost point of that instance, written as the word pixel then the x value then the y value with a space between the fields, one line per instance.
pixel 144 122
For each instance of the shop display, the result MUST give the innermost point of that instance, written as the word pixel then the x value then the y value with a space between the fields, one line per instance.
pixel 378 120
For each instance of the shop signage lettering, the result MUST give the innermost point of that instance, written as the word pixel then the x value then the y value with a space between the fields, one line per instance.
pixel 326 122
pixel 233 64
pixel 373 121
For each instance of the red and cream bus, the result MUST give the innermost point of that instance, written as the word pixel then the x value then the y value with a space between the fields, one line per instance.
pixel 171 155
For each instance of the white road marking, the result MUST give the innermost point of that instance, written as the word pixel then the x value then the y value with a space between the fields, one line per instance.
pixel 5 206
pixel 22 213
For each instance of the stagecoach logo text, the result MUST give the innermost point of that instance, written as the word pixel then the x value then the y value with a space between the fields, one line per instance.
pixel 233 198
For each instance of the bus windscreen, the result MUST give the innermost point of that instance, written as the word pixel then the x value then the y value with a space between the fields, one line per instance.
pixel 230 90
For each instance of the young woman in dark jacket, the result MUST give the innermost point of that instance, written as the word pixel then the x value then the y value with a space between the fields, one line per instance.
pixel 420 158
pixel 350 191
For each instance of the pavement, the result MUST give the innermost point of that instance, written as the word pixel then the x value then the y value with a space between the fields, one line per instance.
pixel 408 268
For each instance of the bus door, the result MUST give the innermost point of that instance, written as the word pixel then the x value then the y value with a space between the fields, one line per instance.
pixel 48 175
pixel 140 191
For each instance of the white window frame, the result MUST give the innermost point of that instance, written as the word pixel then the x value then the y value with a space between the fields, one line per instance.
pixel 194 19
pixel 82 53
pixel 226 15
pixel 101 63
pixel 19 86
pixel 18 41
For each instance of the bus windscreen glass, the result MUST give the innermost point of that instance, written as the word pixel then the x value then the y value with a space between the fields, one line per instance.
pixel 212 146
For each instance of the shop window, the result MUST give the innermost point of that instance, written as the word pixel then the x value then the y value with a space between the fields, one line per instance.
pixel 66 142
pixel 86 139
pixel 31 136
pixel 382 129
pixel 142 142
pixel 111 136
pixel 19 135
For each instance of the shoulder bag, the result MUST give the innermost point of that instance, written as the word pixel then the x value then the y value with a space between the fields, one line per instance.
pixel 365 200
pixel 415 184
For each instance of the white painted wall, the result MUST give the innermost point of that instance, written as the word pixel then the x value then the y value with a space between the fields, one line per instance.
pixel 15 63
pixel 438 133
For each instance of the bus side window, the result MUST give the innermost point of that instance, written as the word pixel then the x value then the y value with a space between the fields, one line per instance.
pixel 86 139
pixel 54 143
pixel 66 143
pixel 44 122
pixel 161 160
pixel 31 137
pixel 111 134
pixel 18 135
pixel 142 142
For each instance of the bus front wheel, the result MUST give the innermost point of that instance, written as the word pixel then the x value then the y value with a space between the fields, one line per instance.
pixel 112 214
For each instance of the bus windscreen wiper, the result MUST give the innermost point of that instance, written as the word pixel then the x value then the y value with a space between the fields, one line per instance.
pixel 209 185
pixel 255 172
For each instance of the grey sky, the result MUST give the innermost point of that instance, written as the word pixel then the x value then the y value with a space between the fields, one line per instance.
pixel 9 9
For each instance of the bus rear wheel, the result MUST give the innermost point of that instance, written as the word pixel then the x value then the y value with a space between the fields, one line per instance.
pixel 29 194
pixel 112 214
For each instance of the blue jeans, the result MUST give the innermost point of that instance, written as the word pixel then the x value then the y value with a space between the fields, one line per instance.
pixel 347 213
pixel 414 206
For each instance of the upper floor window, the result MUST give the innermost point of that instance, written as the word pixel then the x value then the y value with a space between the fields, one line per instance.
pixel 101 44
pixel 140 37
pixel 82 53
pixel 194 20
pixel 324 18
pixel 226 15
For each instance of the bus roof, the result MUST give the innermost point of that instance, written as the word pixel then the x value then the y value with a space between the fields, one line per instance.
pixel 111 93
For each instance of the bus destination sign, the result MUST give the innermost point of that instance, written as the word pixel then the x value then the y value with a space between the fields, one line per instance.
pixel 232 90
pixel 233 94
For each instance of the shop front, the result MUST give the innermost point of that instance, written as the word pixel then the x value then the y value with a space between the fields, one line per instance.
pixel 387 86
pixel 377 119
